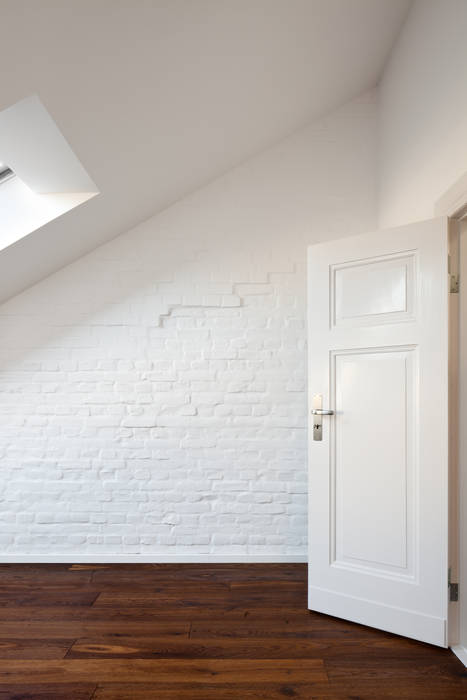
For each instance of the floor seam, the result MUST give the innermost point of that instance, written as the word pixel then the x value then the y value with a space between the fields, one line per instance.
pixel 70 648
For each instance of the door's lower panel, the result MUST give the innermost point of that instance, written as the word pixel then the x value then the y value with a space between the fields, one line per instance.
pixel 373 461
pixel 425 628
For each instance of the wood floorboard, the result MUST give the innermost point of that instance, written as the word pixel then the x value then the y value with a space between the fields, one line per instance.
pixel 205 612
pixel 198 632
pixel 172 647
pixel 46 597
pixel 181 691
pixel 34 648
pixel 75 629
pixel 49 691
pixel 269 691
pixel 195 671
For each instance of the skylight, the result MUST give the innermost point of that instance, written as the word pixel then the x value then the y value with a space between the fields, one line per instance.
pixel 40 176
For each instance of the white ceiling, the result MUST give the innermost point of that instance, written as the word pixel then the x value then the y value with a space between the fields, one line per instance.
pixel 157 97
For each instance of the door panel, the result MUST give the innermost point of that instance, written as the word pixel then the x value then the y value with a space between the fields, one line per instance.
pixel 374 291
pixel 378 342
pixel 373 459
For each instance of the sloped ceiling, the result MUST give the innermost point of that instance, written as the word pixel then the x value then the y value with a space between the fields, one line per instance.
pixel 157 97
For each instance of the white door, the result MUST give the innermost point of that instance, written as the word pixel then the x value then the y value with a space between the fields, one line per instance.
pixel 378 358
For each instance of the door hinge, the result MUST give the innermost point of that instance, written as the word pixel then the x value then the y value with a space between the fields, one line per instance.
pixel 453 589
pixel 454 284
pixel 453 271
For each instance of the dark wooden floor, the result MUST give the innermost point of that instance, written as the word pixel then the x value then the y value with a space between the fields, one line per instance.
pixel 204 632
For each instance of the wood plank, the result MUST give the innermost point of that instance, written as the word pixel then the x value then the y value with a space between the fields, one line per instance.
pixel 265 588
pixel 224 573
pixel 379 689
pixel 48 691
pixel 75 629
pixel 44 597
pixel 172 647
pixel 89 567
pixel 267 691
pixel 367 668
pixel 282 614
pixel 34 648
pixel 217 628
pixel 163 670
pixel 379 652
pixel 227 691
pixel 190 599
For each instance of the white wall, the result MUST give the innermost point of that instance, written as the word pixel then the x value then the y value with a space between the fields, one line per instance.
pixel 153 393
pixel 423 108
pixel 423 131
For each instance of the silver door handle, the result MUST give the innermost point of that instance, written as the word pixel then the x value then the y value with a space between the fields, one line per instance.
pixel 318 411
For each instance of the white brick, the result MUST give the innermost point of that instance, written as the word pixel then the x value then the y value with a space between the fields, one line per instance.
pixel 140 421
pixel 249 289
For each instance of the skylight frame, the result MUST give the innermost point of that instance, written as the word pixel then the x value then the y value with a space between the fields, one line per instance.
pixel 6 173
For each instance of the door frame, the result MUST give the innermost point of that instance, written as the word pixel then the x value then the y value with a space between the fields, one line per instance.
pixel 453 204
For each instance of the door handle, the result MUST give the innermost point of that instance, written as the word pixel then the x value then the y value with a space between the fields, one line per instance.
pixel 318 412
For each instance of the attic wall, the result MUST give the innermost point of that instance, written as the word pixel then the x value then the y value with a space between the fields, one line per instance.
pixel 153 393
pixel 423 103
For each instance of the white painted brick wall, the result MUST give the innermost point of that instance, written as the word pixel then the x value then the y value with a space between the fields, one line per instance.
pixel 152 394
